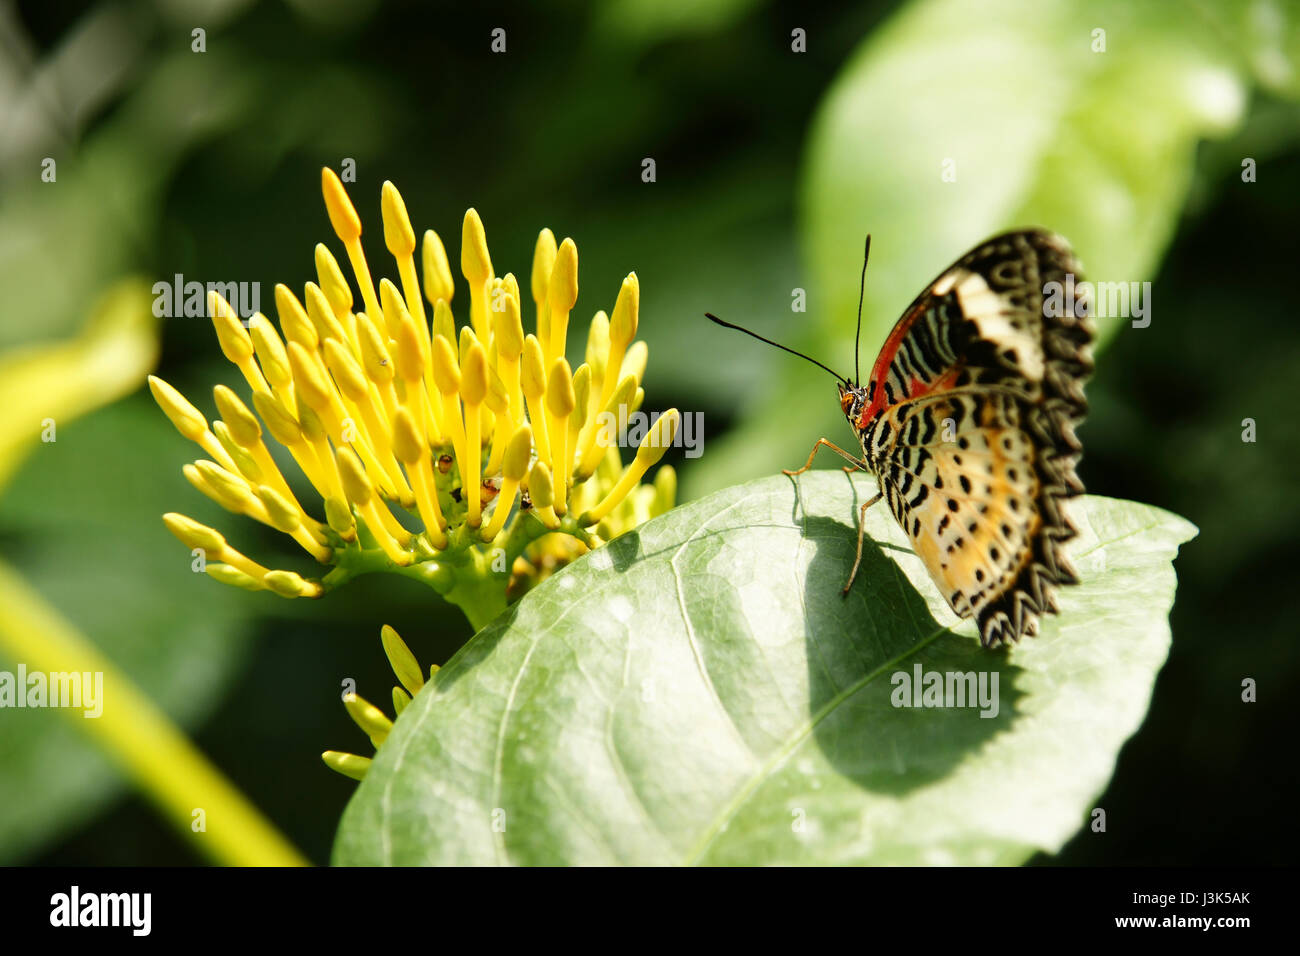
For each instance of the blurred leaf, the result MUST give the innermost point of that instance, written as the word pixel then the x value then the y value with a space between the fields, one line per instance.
pixel 81 521
pixel 1041 130
pixel 648 21
pixel 696 689
pixel 63 381
pixel 1265 35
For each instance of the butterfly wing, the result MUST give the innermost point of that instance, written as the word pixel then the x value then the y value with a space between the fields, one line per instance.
pixel 970 428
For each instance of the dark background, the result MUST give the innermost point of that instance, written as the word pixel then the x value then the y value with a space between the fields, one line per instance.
pixel 553 134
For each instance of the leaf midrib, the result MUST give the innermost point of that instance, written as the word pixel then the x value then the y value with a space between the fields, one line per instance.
pixel 781 754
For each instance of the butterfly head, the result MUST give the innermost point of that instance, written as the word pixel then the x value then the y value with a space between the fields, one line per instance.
pixel 853 398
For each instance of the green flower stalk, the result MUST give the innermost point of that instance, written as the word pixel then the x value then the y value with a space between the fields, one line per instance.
pixel 472 458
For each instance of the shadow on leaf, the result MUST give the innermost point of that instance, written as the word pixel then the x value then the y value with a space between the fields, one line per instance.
pixel 873 712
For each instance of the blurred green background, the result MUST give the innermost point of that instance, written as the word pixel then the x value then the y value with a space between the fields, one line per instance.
pixel 771 166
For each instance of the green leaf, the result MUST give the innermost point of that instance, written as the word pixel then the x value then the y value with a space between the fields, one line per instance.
pixel 696 689
pixel 1040 130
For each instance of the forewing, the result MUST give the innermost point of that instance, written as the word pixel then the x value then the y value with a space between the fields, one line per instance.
pixel 988 320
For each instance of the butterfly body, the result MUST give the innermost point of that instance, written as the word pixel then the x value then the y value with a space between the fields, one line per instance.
pixel 968 423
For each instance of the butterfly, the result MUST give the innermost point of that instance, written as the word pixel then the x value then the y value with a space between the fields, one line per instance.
pixel 967 421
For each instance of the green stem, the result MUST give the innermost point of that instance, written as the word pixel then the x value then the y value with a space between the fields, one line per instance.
pixel 467 574
pixel 141 739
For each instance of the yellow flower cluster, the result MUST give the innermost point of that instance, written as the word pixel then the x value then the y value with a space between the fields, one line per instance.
pixel 422 439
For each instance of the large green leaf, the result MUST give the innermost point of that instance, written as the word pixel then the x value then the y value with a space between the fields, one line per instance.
pixel 698 691
pixel 1042 128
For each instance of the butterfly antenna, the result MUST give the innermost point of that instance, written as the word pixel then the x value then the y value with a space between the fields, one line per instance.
pixel 727 325
pixel 862 288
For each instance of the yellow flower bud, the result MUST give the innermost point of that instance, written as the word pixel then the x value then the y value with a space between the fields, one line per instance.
pixel 635 362
pixel 444 323
pixel 474 375
pixel 518 453
pixel 347 372
pixel 189 421
pixel 560 399
pixel 407 445
pixel 446 370
pixel 281 423
pixel 221 493
pixel 467 338
pixel 581 395
pixel 412 353
pixel 475 263
pixel 321 314
pixel 332 281
pixel 233 491
pixel 231 334
pixel 665 486
pixel 542 492
pixel 623 325
pixel 374 351
pixel 561 295
pixel 400 658
pixel 284 516
pixel 438 283
pixel 349 765
pixel 270 351
pixel 343 215
pixel 399 237
pixel 294 320
pixel 623 395
pixel 653 447
pixel 508 329
pixel 540 488
pixel 227 574
pixel 390 298
pixel 245 465
pixel 512 285
pixel 244 428
pixel 192 534
pixel 290 585
pixel 313 429
pixel 598 344
pixel 339 517
pixel 533 377
pixel 562 291
pixel 497 398
pixel 660 437
pixel 369 718
pixel 543 264
pixel 308 378
pixel 356 484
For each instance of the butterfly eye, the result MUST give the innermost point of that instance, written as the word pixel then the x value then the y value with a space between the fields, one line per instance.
pixel 846 402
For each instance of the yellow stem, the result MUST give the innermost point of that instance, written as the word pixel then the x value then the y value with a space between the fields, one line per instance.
pixel 163 763
pixel 471 474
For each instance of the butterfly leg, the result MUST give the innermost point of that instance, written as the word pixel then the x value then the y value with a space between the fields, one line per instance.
pixel 857 465
pixel 862 517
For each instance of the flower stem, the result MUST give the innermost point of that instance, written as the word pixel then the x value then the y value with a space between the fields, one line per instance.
pixel 140 738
